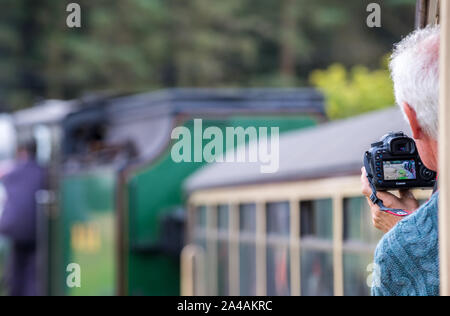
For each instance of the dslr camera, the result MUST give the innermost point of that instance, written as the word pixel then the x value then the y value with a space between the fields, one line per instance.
pixel 394 163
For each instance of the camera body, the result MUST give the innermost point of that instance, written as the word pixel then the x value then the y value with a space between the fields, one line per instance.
pixel 395 164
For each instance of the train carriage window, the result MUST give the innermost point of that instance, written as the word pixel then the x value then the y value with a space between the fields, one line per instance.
pixel 356 273
pixel 278 270
pixel 360 240
pixel 201 268
pixel 222 250
pixel 247 249
pixel 223 213
pixel 200 217
pixel 200 239
pixel 316 248
pixel 317 219
pixel 278 219
pixel 316 272
pixel 278 229
pixel 247 218
pixel 358 222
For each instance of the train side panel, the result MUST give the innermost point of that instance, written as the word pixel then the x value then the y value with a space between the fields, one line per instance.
pixel 89 231
pixel 157 190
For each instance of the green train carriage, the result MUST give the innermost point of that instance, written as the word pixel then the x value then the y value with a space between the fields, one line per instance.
pixel 116 208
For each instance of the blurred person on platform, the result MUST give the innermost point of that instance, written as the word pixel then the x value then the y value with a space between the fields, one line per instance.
pixel 18 220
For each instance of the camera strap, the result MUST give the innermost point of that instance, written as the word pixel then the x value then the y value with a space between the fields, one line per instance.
pixel 373 197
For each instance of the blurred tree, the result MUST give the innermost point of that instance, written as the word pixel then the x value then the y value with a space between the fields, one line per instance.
pixel 19 38
pixel 137 45
pixel 121 47
pixel 213 44
pixel 356 91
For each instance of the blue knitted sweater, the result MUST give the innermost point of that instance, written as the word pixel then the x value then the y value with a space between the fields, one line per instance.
pixel 407 257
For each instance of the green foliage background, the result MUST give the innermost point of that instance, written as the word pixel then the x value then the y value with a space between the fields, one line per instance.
pixel 140 45
pixel 355 91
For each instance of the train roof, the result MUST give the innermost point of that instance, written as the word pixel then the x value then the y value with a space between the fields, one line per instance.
pixel 46 112
pixel 328 150
pixel 204 100
pixel 154 114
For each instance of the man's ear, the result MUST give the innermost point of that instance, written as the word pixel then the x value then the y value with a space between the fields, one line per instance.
pixel 410 113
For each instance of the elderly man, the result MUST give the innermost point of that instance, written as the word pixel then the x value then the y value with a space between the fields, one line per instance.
pixel 406 259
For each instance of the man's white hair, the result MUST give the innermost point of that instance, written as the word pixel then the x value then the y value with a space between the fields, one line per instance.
pixel 415 73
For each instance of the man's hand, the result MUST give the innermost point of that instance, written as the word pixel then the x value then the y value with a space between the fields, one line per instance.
pixel 382 220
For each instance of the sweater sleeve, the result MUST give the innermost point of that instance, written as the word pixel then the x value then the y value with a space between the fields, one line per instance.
pixel 380 285
pixel 390 277
pixel 406 261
